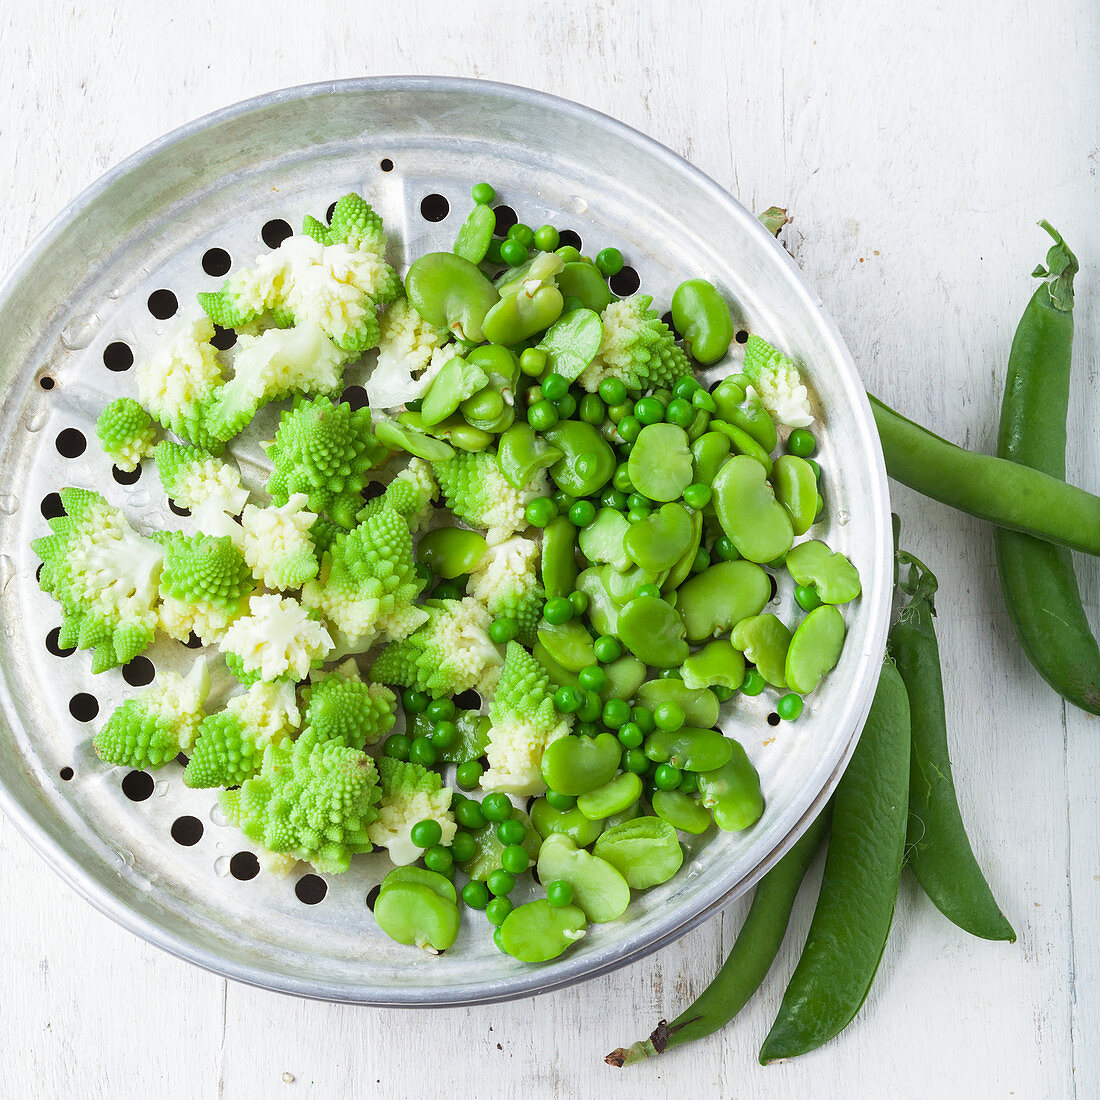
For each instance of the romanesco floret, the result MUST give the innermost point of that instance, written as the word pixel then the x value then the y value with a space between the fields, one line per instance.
pixel 406 345
pixel 410 793
pixel 313 801
pixel 231 743
pixel 341 706
pixel 324 533
pixel 204 584
pixel 524 721
pixel 450 653
pixel 178 381
pixel 637 347
pixel 104 575
pixel 477 491
pixel 126 432
pixel 326 451
pixel 196 480
pixel 507 581
pixel 354 222
pixel 278 637
pixel 277 545
pixel 368 582
pixel 410 494
pixel 156 726
pixel 268 367
pixel 776 379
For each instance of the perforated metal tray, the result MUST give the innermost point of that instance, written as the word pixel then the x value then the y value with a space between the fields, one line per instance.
pixel 80 306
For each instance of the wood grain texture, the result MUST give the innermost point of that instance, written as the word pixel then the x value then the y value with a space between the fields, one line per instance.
pixel 915 154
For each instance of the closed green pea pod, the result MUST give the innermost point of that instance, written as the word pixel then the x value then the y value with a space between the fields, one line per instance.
pixel 764 640
pixel 645 851
pixel 829 571
pixel 569 644
pixel 660 462
pixel 576 765
pixel 743 444
pixel 681 811
pixel 451 551
pixel 571 823
pixel 682 569
pixel 796 489
pixel 700 706
pixel 615 796
pixel 624 677
pixel 522 454
pixel 583 281
pixel 571 343
pixel 754 521
pixel 476 234
pixel 660 540
pixel 587 461
pixel 732 794
pixel 454 430
pixel 599 890
pixel 713 601
pixel 815 648
pixel 559 557
pixel 400 437
pixel 603 611
pixel 450 293
pixel 708 453
pixel 717 664
pixel 604 539
pixel 653 631
pixel 690 749
pixel 702 317
pixel 740 405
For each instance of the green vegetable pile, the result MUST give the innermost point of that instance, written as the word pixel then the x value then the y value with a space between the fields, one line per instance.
pixel 541 504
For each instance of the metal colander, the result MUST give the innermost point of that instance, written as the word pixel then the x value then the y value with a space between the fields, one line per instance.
pixel 96 292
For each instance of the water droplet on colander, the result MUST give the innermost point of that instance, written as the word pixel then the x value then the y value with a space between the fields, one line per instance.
pixel 35 420
pixel 8 504
pixel 217 815
pixel 7 570
pixel 79 331
pixel 577 204
pixel 221 866
pixel 842 518
pixel 114 293
pixel 161 788
pixel 126 856
pixel 139 498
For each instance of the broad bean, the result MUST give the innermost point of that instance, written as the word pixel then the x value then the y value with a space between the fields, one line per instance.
pixel 739 404
pixel 796 489
pixel 764 640
pixel 599 890
pixel 815 648
pixel 522 454
pixel 615 796
pixel 402 437
pixel 690 749
pixel 660 462
pixel 587 461
pixel 583 281
pixel 645 851
pixel 538 931
pixel 653 631
pixel 451 551
pixel 568 643
pixel 732 794
pixel 722 595
pixel 571 823
pixel 559 558
pixel 708 453
pixel 451 293
pixel 754 521
pixel 604 539
pixel 681 811
pixel 702 317
pixel 659 541
pixel 829 571
pixel 576 765
pixel 700 706
pixel 717 664
pixel 571 343
pixel 682 569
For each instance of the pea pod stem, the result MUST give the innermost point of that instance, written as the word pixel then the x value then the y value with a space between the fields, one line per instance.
pixel 938 849
pixel 749 959
pixel 1009 495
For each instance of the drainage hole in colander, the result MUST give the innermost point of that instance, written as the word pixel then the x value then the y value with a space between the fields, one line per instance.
pixel 66 773
pixel 223 338
pixel 216 261
pixel 773 719
pixel 183 759
pixel 434 208
pixel 775 586
pixel 570 237
pixel 53 644
pixel 185 512
pixel 187 830
pixel 329 212
pixel 83 707
pixel 163 304
pixel 742 336
pixel 126 477
pixel 386 164
pixel 372 896
pixel 138 672
pixel 310 889
pixel 468 700
pixel 193 641
pixel 506 218
pixel 38 573
pixel 51 506
pixel 46 382
pixel 118 356
pixel 71 443
pixel 372 489
pixel 356 397
pixel 666 318
pixel 244 866
pixel 137 786
pixel 625 283
pixel 275 232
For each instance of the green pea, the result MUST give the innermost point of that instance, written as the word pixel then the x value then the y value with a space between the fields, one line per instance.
pixel 680 412
pixel 468 775
pixel 801 443
pixel 698 705
pixel 569 254
pixel 571 823
pixel 542 416
pixel 717 664
pixel 815 649
pixel 546 238
pixel 669 716
pixel 476 234
pixel 541 511
pixel 583 281
pixel 397 746
pixel 711 602
pixel 592 678
pixel 682 569
pixel 444 734
pixel 725 549
pixel 624 677
pixel 451 293
pixel 500 882
pixel 559 893
pixel 612 390
pixel 557 610
pixel 681 811
pixel 755 522
pixel 559 565
pixel 399 437
pixel 698 495
pixel 645 851
pixel 475 894
pixel 587 461
pixel 702 317
pixel 708 453
pixel 689 749
pixel 830 572
pixel 605 539
pixel 532 361
pixel 634 760
pixel 665 778
pixel 653 631
pixel 422 751
pixel 806 597
pixel 568 643
pixel 616 713
pixel 796 490
pixel 469 813
pixel 571 343
pixel 738 404
pixel 609 261
pixel 648 410
pixel 764 640
pixel 613 797
pixel 568 699
pixel 630 735
pixel 603 611
pixel 483 193
pixel 659 541
pixel 629 428
pixel 496 913
pixel 412 913
pixel 513 252
pixel 451 551
pixel 514 859
pixel 575 765
pixel 560 801
pixel 789 707
pixel 592 410
pixel 607 648
pixel 538 931
pixel 582 513
pixel 599 890
pixel 732 793
pixel 660 462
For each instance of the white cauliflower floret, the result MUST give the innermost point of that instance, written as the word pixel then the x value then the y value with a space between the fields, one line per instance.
pixel 410 793
pixel 268 709
pixel 408 350
pixel 778 383
pixel 278 637
pixel 277 544
pixel 282 361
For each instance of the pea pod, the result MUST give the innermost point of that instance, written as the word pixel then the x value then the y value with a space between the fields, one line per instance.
pixel 522 454
pixel 538 931
pixel 722 595
pixel 572 341
pixel 476 234
pixel 743 444
pixel 764 640
pixel 732 793
pixel 753 520
pixel 717 664
pixel 740 405
pixel 571 823
pixel 690 749
pixel 796 489
pixel 702 317
pixel 829 571
pixel 451 551
pixel 660 462
pixel 582 280
pixel 815 648
pixel 400 437
pixel 859 887
pixel 604 539
pixel 615 796
pixel 576 765
pixel 599 890
pixel 454 430
pixel 937 847
pixel 708 454
pixel 559 560
pixel 568 643
pixel 699 705
pixel 653 631
pixel 659 541
pixel 645 851
pixel 450 293
pixel 587 461
pixel 681 811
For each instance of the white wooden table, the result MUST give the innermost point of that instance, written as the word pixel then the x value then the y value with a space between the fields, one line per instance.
pixel 915 154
